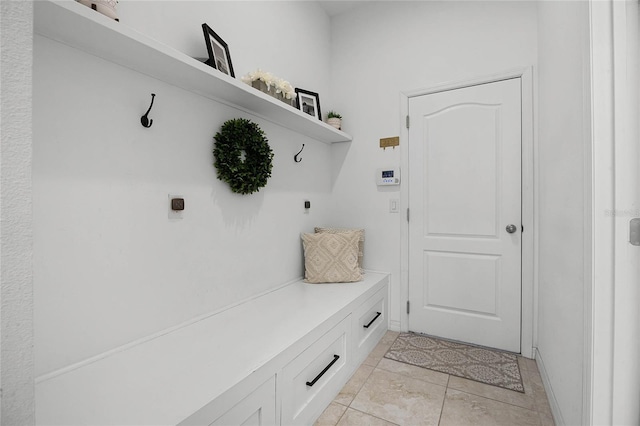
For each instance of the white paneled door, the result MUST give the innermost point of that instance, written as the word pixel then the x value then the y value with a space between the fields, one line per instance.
pixel 465 228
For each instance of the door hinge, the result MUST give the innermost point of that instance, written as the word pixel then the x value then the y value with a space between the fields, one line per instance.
pixel 522 228
pixel 407 214
pixel 407 121
pixel 408 307
pixel 634 231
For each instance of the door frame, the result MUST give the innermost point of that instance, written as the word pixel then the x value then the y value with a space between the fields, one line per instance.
pixel 529 199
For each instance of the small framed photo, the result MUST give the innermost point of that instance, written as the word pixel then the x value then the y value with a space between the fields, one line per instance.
pixel 219 57
pixel 309 103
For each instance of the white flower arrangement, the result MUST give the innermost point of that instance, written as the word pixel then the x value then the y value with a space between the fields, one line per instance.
pixel 285 88
pixel 281 86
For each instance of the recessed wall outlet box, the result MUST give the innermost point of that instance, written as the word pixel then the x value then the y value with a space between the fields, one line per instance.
pixel 176 206
pixel 389 142
pixel 388 176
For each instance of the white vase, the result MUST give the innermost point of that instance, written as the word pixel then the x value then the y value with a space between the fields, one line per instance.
pixel 106 7
pixel 335 122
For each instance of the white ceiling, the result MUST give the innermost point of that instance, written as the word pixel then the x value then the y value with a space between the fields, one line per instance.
pixel 337 7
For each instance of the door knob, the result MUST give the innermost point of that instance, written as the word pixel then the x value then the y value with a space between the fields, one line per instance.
pixel 511 228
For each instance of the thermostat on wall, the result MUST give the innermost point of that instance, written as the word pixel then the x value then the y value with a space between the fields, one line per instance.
pixel 388 176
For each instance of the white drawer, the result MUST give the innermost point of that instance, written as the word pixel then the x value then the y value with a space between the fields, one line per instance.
pixel 314 378
pixel 370 324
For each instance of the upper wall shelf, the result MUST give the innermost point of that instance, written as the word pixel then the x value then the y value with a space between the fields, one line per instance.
pixel 80 27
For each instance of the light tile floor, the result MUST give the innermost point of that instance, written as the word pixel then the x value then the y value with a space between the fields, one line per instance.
pixel 385 392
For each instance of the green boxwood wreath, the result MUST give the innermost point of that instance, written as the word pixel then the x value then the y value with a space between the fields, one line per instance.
pixel 244 175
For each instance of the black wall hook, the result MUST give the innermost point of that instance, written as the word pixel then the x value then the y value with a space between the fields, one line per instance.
pixel 295 157
pixel 146 121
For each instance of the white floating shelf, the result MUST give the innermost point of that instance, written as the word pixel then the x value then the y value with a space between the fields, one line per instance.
pixel 80 27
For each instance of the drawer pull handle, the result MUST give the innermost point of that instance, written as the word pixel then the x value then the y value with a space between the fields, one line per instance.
pixel 374 318
pixel 313 382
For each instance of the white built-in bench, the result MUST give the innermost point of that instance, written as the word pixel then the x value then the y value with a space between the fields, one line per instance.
pixel 249 364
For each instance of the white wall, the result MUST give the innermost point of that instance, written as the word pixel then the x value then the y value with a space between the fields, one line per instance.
pixel 16 280
pixel 384 49
pixel 288 38
pixel 110 267
pixel 626 379
pixel 562 147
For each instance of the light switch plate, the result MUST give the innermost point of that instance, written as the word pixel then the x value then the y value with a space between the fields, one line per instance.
pixel 394 205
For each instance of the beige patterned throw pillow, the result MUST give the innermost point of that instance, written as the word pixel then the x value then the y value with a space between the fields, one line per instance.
pixel 331 258
pixel 360 233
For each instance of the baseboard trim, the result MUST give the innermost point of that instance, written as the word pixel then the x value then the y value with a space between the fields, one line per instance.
pixel 553 402
pixel 394 325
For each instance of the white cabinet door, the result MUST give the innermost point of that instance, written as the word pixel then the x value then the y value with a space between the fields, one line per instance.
pixel 256 409
pixel 244 404
pixel 315 377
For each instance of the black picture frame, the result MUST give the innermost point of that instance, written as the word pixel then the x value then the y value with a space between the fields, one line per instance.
pixel 219 56
pixel 309 103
